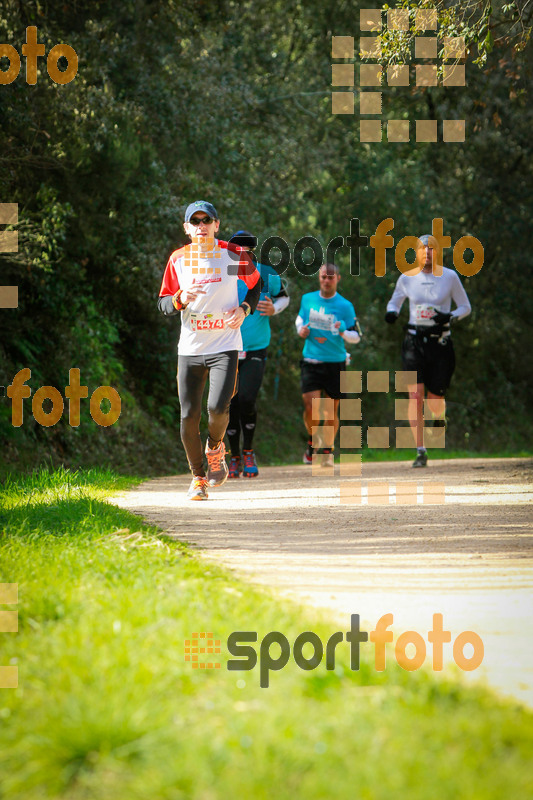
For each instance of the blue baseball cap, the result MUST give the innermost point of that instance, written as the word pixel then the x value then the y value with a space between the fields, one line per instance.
pixel 425 239
pixel 244 239
pixel 200 205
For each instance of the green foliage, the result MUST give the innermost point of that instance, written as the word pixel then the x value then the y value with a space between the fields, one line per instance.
pixel 231 101
pixel 474 20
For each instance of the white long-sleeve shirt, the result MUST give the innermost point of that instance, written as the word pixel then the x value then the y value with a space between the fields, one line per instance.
pixel 428 293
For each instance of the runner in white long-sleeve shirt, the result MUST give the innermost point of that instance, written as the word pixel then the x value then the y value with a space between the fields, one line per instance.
pixel 428 347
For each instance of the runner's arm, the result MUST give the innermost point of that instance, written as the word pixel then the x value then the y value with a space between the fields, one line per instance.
pixel 166 306
pixel 300 323
pixel 174 303
pixel 169 289
pixel 249 273
pixel 460 298
pixel 303 315
pixel 280 299
pixel 352 332
pixel 252 296
pixel 398 296
pixel 280 304
pixel 275 298
pixel 351 335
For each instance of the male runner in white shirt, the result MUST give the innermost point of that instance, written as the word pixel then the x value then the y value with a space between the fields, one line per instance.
pixel 200 281
pixel 428 348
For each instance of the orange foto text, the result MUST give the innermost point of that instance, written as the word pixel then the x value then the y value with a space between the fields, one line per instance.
pixel 17 391
pixel 31 50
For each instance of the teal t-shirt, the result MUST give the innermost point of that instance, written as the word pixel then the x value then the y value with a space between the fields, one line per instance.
pixel 255 329
pixel 324 342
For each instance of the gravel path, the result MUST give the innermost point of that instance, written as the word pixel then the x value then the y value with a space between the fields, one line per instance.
pixel 469 558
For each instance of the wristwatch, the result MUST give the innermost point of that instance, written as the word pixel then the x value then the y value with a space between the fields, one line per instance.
pixel 246 308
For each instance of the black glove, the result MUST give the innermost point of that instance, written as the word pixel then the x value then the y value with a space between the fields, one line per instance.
pixel 391 317
pixel 441 317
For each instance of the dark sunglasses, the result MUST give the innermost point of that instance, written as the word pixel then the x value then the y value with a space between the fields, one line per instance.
pixel 202 221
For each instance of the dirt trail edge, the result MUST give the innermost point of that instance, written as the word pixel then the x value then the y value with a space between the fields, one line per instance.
pixel 469 558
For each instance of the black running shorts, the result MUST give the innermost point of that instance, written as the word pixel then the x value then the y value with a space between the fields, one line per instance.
pixel 324 376
pixel 433 361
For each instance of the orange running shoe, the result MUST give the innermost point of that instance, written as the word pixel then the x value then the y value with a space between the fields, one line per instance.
pixel 217 469
pixel 198 488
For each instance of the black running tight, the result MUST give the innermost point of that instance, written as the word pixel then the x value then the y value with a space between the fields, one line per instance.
pixel 242 413
pixel 192 377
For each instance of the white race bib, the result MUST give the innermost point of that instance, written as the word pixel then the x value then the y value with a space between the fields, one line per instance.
pixel 424 312
pixel 207 322
pixel 322 322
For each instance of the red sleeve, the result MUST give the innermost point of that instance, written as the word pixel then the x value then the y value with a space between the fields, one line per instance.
pixel 248 272
pixel 244 267
pixel 170 284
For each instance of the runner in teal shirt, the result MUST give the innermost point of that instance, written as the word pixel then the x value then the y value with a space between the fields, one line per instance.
pixel 322 315
pixel 256 334
pixel 326 320
pixel 255 329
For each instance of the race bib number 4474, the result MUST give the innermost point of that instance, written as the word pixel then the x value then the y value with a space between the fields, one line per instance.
pixel 207 322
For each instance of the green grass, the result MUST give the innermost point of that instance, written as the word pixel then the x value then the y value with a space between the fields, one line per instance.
pixel 107 707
